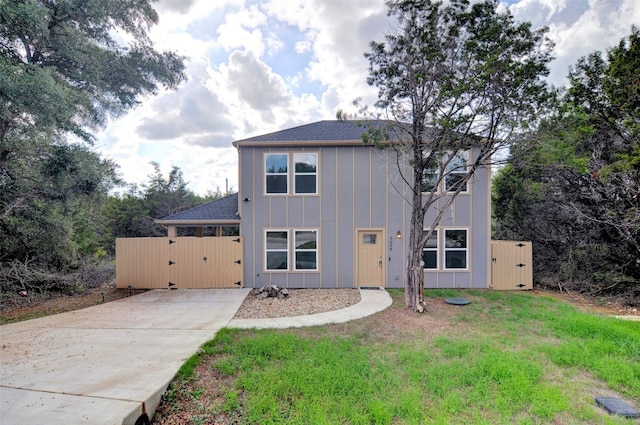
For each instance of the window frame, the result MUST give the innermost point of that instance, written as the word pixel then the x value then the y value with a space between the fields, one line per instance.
pixel 429 249
pixel 436 172
pixel 446 249
pixel 441 174
pixel 291 249
pixel 267 250
pixel 457 171
pixel 296 250
pixel 291 174
pixel 267 174
pixel 296 173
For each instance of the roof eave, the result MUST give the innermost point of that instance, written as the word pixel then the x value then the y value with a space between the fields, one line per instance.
pixel 302 143
pixel 197 222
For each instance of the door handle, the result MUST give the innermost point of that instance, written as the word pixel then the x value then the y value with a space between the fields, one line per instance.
pixel 380 263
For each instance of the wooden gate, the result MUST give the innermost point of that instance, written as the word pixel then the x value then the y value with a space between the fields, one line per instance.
pixel 184 263
pixel 511 265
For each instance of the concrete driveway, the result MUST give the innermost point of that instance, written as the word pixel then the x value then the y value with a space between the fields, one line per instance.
pixel 107 364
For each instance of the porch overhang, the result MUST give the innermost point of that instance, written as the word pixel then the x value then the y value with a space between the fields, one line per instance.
pixel 198 223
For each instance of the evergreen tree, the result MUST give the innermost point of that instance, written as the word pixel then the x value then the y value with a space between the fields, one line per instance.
pixel 451 76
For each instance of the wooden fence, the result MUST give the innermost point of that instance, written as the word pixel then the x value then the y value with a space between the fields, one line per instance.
pixel 185 262
pixel 511 265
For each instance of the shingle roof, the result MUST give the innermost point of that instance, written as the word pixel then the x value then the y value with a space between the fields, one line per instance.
pixel 329 130
pixel 217 210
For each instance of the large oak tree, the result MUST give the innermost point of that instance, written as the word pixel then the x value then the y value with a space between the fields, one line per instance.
pixel 66 67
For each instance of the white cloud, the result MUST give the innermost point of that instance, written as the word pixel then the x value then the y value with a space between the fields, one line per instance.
pixel 255 83
pixel 262 65
pixel 205 169
pixel 193 113
pixel 579 27
pixel 240 30
pixel 301 13
pixel 551 7
pixel 179 6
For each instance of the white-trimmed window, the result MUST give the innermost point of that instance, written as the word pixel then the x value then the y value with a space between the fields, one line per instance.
pixel 305 178
pixel 306 249
pixel 291 250
pixel 430 176
pixel 456 169
pixel 276 167
pixel 456 249
pixel 277 250
pixel 430 251
pixel 299 178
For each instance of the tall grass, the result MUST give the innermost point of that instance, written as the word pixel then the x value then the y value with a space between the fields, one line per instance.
pixel 510 358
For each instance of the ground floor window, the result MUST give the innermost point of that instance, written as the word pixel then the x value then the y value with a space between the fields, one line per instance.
pixel 277 249
pixel 306 248
pixel 453 247
pixel 430 251
pixel 301 243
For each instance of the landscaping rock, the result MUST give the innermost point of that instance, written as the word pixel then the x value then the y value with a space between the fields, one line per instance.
pixel 273 291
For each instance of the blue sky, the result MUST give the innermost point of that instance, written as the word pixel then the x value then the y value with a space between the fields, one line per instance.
pixel 259 66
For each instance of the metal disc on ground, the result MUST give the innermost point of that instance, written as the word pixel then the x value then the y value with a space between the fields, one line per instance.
pixel 457 301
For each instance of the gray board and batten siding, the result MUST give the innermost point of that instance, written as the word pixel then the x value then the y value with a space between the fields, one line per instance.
pixel 359 193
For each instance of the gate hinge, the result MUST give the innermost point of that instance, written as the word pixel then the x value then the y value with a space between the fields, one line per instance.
pixel 520 245
pixel 520 285
pixel 237 240
pixel 520 265
pixel 239 283
pixel 170 241
pixel 171 262
pixel 493 260
pixel 238 261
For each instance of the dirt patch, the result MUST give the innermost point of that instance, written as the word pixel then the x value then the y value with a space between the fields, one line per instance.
pixel 617 306
pixel 16 308
pixel 201 398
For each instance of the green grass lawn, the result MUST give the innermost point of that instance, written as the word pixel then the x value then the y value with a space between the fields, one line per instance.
pixel 506 358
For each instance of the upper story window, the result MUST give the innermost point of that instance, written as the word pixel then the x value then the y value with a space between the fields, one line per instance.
pixel 430 176
pixel 455 169
pixel 306 173
pixel 302 181
pixel 277 173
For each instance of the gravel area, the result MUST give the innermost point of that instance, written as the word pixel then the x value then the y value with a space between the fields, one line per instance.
pixel 298 303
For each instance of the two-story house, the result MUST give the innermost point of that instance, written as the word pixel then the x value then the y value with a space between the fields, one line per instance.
pixel 320 209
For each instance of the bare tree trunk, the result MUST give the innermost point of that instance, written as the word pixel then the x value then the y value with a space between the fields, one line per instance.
pixel 414 283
